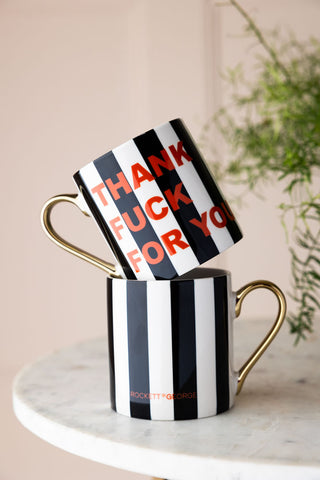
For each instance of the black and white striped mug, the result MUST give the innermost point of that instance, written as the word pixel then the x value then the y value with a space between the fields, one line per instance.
pixel 171 345
pixel 156 203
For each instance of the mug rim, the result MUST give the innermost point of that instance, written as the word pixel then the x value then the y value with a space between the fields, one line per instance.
pixel 197 273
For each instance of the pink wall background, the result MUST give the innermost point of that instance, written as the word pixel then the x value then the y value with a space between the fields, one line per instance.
pixel 78 78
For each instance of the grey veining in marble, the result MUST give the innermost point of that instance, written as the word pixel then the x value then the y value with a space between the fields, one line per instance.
pixel 273 429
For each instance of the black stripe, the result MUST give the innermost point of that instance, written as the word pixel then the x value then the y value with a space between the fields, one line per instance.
pixel 108 168
pixel 222 343
pixel 203 247
pixel 110 343
pixel 103 226
pixel 204 174
pixel 184 350
pixel 138 349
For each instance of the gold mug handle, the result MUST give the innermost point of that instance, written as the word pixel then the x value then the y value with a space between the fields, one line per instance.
pixel 240 295
pixel 46 223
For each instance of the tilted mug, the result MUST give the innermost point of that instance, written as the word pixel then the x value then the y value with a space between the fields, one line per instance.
pixel 156 203
pixel 171 344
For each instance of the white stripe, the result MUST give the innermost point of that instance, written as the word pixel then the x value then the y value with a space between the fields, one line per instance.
pixel 91 178
pixel 233 376
pixel 195 188
pixel 160 350
pixel 128 155
pixel 205 347
pixel 120 343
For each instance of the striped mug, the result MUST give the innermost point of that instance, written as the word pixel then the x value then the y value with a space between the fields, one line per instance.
pixel 156 204
pixel 170 344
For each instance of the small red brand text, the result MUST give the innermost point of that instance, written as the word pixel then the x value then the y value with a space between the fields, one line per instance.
pixel 166 396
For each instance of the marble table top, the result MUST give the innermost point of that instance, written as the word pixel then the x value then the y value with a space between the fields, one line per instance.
pixel 273 430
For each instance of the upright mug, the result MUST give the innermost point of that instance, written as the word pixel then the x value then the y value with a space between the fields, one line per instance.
pixel 171 345
pixel 156 203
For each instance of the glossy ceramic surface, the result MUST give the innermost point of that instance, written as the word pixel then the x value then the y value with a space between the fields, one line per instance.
pixel 157 204
pixel 170 345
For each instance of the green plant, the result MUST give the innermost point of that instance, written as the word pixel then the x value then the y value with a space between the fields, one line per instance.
pixel 274 133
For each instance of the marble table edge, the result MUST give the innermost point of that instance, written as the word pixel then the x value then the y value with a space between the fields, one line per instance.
pixel 160 464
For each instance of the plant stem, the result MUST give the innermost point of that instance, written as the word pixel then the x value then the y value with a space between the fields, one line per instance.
pixel 261 39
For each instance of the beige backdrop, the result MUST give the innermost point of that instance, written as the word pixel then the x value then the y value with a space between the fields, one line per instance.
pixel 78 78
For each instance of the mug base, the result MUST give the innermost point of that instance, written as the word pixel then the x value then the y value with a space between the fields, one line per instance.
pixel 142 413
